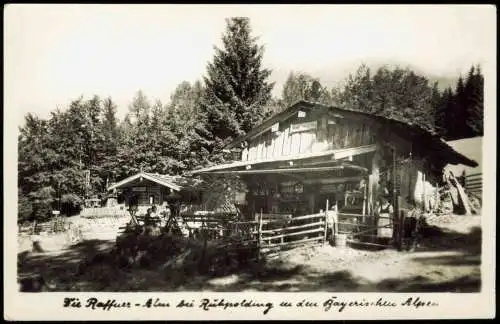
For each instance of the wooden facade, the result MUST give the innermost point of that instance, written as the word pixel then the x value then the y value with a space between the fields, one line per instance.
pixel 304 133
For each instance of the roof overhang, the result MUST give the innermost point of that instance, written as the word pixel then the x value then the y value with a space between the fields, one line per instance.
pixel 143 175
pixel 338 154
pixel 293 170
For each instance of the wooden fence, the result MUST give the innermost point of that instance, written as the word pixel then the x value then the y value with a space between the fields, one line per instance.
pixel 273 232
pixel 55 225
pixel 267 233
pixel 289 232
pixel 104 212
pixel 362 229
pixel 474 184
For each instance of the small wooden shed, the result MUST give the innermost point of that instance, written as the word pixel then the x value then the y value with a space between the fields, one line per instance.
pixel 146 189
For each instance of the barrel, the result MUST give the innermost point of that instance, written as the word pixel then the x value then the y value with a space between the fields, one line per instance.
pixel 340 240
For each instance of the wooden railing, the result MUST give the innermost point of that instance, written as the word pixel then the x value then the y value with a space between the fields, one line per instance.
pixel 356 225
pixel 264 233
pixel 474 183
pixel 294 231
pixel 361 229
pixel 55 225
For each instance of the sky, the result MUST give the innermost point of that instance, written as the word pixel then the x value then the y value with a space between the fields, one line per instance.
pixel 55 53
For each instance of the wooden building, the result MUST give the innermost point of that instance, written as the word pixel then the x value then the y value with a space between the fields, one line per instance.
pixel 147 189
pixel 310 156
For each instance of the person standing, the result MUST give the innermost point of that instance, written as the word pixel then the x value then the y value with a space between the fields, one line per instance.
pixel 165 214
pixel 412 221
pixel 385 215
pixel 331 220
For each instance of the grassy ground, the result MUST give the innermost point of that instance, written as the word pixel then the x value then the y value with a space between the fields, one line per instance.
pixel 448 261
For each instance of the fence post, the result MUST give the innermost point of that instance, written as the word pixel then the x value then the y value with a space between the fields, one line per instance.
pixel 326 222
pixel 424 195
pixel 401 229
pixel 335 230
pixel 259 235
pixel 396 213
pixel 365 200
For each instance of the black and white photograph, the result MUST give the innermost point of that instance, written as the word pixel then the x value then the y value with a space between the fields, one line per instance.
pixel 322 149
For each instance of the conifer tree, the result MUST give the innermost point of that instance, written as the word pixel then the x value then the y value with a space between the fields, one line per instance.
pixel 236 86
pixel 443 111
pixel 111 137
pixel 456 122
pixel 474 102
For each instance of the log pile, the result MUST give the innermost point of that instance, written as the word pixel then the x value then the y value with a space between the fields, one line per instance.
pixel 454 199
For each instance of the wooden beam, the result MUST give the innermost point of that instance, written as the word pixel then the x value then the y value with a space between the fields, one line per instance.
pixel 285 170
pixel 349 152
pixel 368 244
pixel 319 229
pixel 318 215
pixel 292 228
pixel 267 246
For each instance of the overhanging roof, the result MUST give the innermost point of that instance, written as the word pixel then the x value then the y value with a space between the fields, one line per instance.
pixel 294 170
pixel 175 183
pixel 335 154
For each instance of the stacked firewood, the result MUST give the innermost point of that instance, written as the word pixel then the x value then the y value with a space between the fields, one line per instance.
pixel 454 199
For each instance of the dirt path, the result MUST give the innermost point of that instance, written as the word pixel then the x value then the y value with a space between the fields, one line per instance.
pixel 448 260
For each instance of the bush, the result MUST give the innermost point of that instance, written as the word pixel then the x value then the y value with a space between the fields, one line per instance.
pixel 71 204
pixel 41 203
pixel 24 209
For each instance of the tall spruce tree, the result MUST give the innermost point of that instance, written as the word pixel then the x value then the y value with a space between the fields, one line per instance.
pixel 111 137
pixel 474 86
pixel 437 104
pixel 457 124
pixel 236 86
pixel 442 112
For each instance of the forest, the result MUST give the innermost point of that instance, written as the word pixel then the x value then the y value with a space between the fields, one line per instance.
pixel 84 147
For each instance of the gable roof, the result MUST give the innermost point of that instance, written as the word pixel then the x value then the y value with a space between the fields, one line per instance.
pixel 176 183
pixel 429 139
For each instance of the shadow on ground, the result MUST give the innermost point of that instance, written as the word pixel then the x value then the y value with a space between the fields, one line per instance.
pixel 89 266
pixel 441 239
